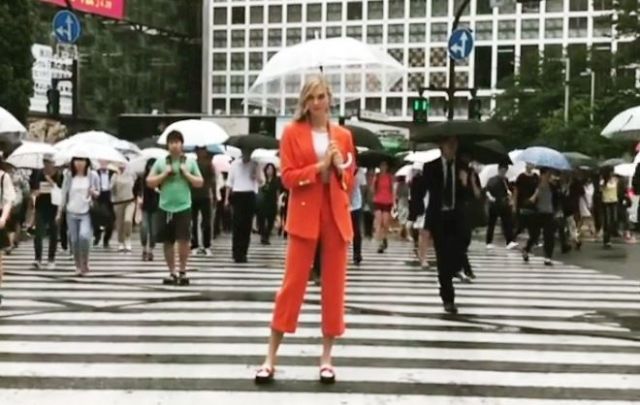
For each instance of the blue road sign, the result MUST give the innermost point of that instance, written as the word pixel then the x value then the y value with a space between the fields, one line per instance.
pixel 460 44
pixel 66 27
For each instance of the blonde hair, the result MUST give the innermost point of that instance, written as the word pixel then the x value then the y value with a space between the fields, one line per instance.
pixel 311 84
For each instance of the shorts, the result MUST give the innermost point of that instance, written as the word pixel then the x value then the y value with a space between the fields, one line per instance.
pixel 383 207
pixel 173 227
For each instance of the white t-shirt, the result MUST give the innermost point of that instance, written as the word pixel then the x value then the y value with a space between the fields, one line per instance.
pixel 241 177
pixel 79 199
pixel 320 143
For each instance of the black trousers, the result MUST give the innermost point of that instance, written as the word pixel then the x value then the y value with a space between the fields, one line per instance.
pixel 609 221
pixel 243 205
pixel 545 224
pixel 357 234
pixel 449 242
pixel 64 234
pixel 502 211
pixel 367 219
pixel 266 221
pixel 201 207
pixel 107 222
pixel 46 225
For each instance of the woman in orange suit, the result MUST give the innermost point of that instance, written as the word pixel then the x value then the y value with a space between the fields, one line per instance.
pixel 318 170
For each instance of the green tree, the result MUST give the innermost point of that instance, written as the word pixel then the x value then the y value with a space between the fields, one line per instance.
pixel 16 38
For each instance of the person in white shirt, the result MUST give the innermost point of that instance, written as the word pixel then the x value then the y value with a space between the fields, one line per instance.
pixel 245 178
pixel 7 196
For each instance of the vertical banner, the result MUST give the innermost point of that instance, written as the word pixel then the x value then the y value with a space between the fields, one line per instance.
pixel 107 8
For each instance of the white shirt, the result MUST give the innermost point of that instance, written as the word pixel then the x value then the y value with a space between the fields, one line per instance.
pixel 444 176
pixel 8 195
pixel 240 177
pixel 105 183
pixel 320 143
pixel 79 199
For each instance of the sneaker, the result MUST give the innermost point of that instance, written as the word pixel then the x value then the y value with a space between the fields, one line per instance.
pixel 548 262
pixel 171 280
pixel 491 246
pixel 208 252
pixel 51 266
pixel 195 251
pixel 463 277
pixel 512 245
pixel 183 279
pixel 121 248
pixel 525 256
pixel 79 272
pixel 450 308
pixel 37 265
pixel 127 247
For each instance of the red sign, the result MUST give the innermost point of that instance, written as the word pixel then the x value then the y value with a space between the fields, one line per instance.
pixel 108 8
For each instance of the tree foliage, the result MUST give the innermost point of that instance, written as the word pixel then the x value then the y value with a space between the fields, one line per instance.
pixel 16 38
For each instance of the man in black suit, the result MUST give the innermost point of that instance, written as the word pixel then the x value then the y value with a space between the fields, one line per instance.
pixel 447 181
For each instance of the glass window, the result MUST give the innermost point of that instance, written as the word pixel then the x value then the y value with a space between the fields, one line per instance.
pixel 603 4
pixel 353 82
pixel 579 5
pixel 219 105
pixel 394 106
pixel 294 13
pixel 275 14
pixel 438 104
pixel 530 29
pixel 417 57
pixel 219 84
pixel 458 3
pixel 484 30
pixel 355 32
pixel 313 33
pixel 237 39
pixel 255 61
pixel 398 54
pixel 416 80
pixel 506 29
pixel 395 9
pixel 220 16
pixel 417 33
pixel 602 26
pixel 314 12
pixel 220 38
pixel 508 7
pixel 439 32
pixel 257 15
pixel 237 107
pixel 396 33
pixel 275 37
pixel 256 38
pixel 417 9
pixel 529 64
pixel 375 10
pixel 578 27
pixel 334 32
pixel 553 28
pixel 506 64
pixel 483 7
pixel 438 57
pixel 294 36
pixel 579 58
pixel 439 8
pixel 354 11
pixel 219 61
pixel 237 61
pixel 555 6
pixel 374 34
pixel 334 11
pixel 531 7
pixel 482 67
pixel 373 104
pixel 237 15
pixel 290 105
pixel 237 84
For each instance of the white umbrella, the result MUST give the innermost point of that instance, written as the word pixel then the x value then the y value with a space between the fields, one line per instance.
pixel 624 126
pixel 625 169
pixel 405 171
pixel 196 133
pixel 9 123
pixel 98 138
pixel 266 156
pixel 29 155
pixel 490 171
pixel 423 156
pixel 232 152
pixel 340 59
pixel 138 163
pixel 94 152
pixel 637 158
pixel 222 163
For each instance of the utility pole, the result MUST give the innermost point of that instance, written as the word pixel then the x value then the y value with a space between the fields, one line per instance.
pixel 451 90
pixel 567 80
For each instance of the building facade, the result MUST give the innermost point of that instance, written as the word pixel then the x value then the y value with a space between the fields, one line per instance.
pixel 244 34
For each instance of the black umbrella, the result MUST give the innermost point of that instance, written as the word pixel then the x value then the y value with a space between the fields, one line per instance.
pixel 486 152
pixel 579 160
pixel 253 141
pixel 613 162
pixel 365 138
pixel 466 130
pixel 373 158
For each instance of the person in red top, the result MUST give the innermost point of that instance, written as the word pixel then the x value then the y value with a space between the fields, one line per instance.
pixel 317 164
pixel 383 199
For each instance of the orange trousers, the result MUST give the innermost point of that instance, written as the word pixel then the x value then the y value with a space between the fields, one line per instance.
pixel 298 264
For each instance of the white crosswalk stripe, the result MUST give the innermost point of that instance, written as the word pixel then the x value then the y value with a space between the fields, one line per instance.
pixel 526 334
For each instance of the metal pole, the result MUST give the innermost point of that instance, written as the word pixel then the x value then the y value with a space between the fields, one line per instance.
pixel 451 91
pixel 593 96
pixel 567 78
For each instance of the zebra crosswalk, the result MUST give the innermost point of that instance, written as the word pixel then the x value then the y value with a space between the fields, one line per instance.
pixel 526 334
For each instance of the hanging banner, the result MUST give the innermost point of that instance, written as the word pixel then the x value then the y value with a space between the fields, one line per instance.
pixel 107 8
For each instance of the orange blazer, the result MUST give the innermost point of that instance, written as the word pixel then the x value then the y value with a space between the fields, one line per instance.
pixel 298 161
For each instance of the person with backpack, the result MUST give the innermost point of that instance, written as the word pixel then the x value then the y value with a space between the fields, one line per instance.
pixel 148 200
pixel 7 195
pixel 203 200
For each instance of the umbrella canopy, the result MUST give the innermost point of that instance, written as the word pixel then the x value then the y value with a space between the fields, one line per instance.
pixel 486 152
pixel 625 169
pixel 373 158
pixel 138 163
pixel 334 57
pixel 466 130
pixel 624 126
pixel 30 155
pixel 98 138
pixel 212 149
pixel 149 142
pixel 580 160
pixel 541 156
pixel 253 142
pixel 266 156
pixel 222 163
pixel 196 133
pixel 424 156
pixel 613 162
pixel 94 152
pixel 365 138
pixel 490 171
pixel 405 171
pixel 10 124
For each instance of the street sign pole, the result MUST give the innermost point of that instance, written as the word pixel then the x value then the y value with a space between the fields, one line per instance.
pixel 451 90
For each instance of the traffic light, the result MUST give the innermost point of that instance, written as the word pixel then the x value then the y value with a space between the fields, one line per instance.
pixel 53 103
pixel 475 109
pixel 420 108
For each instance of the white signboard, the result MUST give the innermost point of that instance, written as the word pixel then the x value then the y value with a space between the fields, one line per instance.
pixel 48 66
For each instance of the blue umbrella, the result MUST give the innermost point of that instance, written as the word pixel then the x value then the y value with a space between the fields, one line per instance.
pixel 545 157
pixel 213 149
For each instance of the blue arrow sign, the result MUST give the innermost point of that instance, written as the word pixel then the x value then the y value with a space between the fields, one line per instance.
pixel 66 27
pixel 460 44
